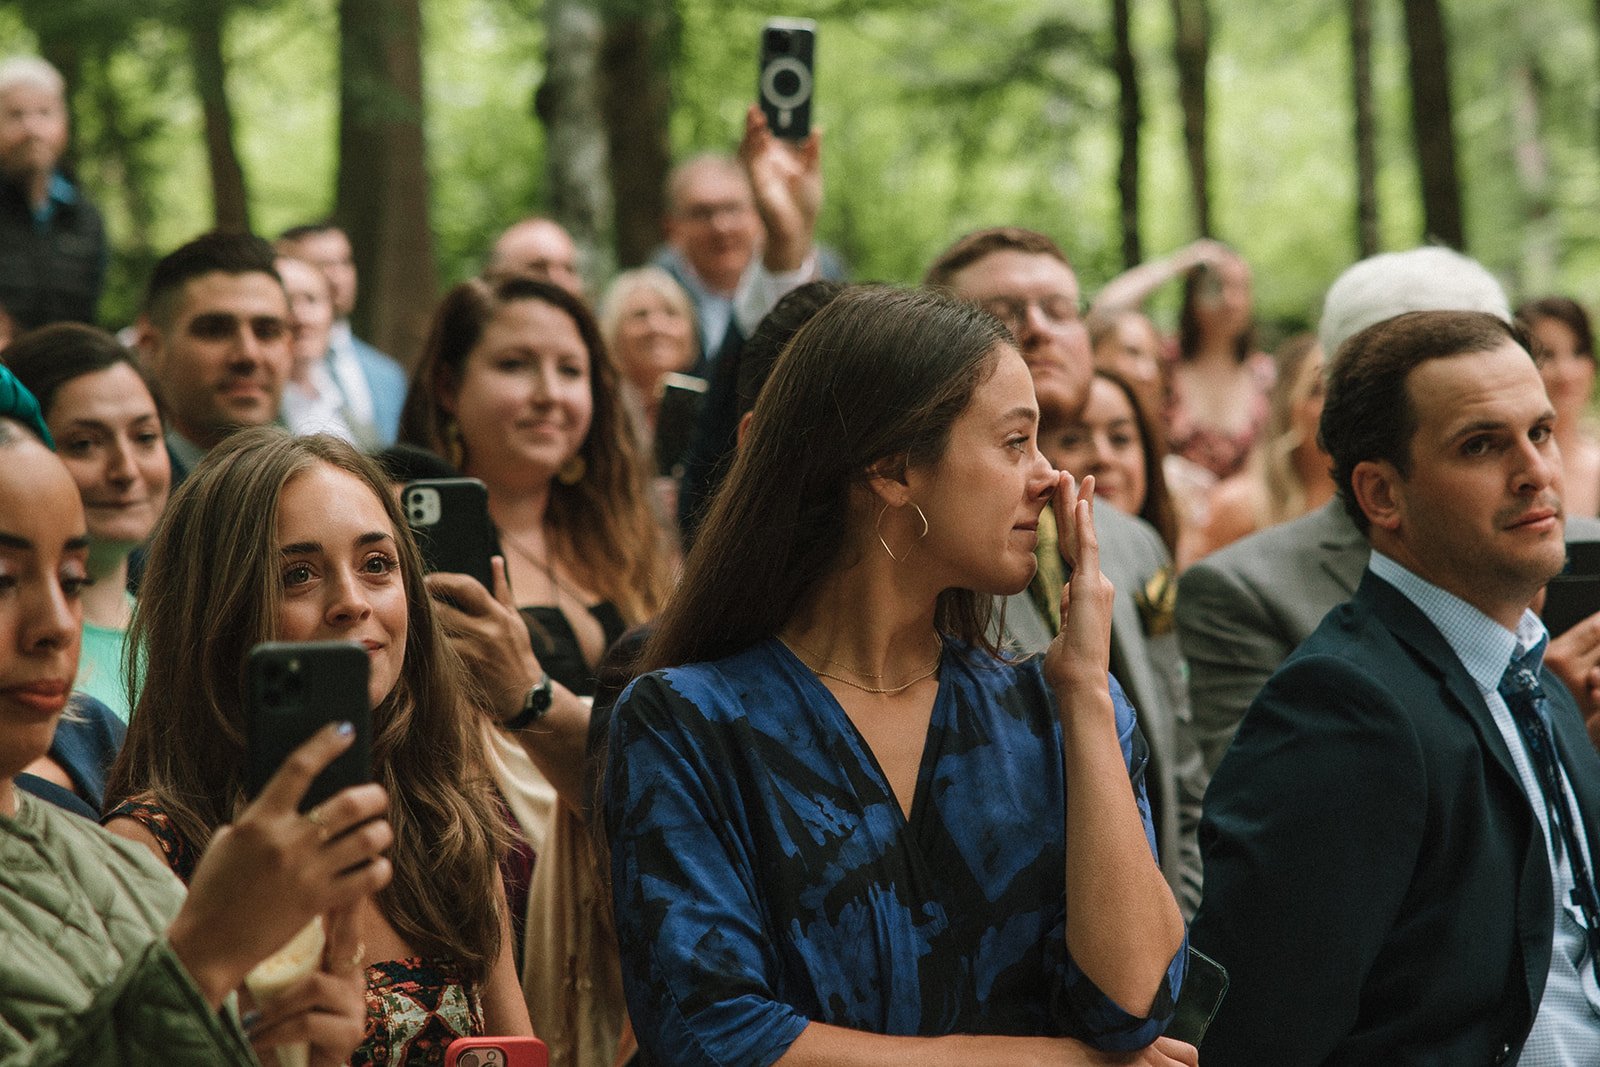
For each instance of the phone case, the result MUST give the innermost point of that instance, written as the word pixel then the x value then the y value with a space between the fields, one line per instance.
pixel 682 399
pixel 497 1052
pixel 294 689
pixel 1203 989
pixel 450 518
pixel 788 76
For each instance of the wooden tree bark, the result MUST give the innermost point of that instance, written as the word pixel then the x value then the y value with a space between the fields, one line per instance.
pixel 639 45
pixel 1366 127
pixel 1539 251
pixel 1130 117
pixel 203 22
pixel 1192 54
pixel 1433 123
pixel 383 174
pixel 568 103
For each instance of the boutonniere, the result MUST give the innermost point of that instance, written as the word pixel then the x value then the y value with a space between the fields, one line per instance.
pixel 1156 600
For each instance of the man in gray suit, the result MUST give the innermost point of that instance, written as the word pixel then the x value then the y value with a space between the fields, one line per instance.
pixel 1243 609
pixel 1025 281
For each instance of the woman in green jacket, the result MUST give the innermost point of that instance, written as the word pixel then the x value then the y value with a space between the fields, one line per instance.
pixel 106 962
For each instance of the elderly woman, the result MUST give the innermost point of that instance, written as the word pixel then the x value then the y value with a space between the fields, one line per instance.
pixel 107 962
pixel 648 325
pixel 844 830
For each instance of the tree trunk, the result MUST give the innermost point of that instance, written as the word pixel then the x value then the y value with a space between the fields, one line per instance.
pixel 641 38
pixel 1366 127
pixel 203 22
pixel 1130 117
pixel 383 173
pixel 577 190
pixel 1540 233
pixel 1433 123
pixel 1192 53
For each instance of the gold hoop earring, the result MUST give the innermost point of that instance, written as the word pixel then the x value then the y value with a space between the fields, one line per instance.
pixel 877 528
pixel 572 471
pixel 454 450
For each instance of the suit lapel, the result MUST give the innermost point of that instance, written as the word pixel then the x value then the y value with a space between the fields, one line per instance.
pixel 1414 630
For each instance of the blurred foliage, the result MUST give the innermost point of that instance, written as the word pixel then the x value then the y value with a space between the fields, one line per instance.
pixel 940 115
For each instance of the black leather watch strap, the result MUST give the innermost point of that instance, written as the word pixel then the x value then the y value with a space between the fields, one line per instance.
pixel 534 706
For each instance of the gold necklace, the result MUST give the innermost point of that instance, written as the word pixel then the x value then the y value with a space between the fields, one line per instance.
pixel 927 672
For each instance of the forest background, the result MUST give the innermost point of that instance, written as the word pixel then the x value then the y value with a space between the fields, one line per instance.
pixel 1306 133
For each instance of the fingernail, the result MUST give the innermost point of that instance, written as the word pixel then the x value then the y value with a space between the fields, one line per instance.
pixel 345 729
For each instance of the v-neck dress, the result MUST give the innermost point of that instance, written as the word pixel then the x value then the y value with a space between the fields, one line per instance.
pixel 765 876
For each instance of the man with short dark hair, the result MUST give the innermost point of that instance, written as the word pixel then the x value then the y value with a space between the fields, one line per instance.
pixel 1399 844
pixel 1025 281
pixel 52 241
pixel 372 386
pixel 214 337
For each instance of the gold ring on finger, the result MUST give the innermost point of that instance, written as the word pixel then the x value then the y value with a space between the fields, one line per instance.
pixel 316 818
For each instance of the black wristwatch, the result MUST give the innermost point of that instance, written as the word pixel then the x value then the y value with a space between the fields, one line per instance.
pixel 534 706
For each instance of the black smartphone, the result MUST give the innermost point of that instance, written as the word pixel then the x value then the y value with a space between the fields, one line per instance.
pixel 788 76
pixel 1574 594
pixel 683 396
pixel 1203 989
pixel 292 690
pixel 450 517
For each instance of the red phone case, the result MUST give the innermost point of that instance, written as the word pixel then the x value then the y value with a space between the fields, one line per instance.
pixel 497 1052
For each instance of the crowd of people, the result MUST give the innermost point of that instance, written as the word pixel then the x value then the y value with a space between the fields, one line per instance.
pixel 863 674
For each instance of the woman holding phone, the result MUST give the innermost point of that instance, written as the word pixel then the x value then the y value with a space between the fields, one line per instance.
pixel 516 388
pixel 107 961
pixel 330 558
pixel 844 830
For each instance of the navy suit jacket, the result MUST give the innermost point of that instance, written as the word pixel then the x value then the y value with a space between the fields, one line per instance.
pixel 1376 882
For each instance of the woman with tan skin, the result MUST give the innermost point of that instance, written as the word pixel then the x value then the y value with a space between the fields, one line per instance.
pixel 102 413
pixel 117 964
pixel 330 558
pixel 1564 345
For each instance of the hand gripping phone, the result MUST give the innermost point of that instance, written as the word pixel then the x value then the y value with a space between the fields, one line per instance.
pixel 450 517
pixel 788 76
pixel 292 690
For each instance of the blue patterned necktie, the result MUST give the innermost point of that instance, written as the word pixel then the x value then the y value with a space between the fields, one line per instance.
pixel 1525 697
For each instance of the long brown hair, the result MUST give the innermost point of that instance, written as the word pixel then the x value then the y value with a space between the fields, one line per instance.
pixel 878 374
pixel 601 525
pixel 212 588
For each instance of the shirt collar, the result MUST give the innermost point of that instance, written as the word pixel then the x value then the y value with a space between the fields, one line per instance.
pixel 1483 646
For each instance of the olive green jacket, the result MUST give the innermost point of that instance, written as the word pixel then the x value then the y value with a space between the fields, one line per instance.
pixel 87 978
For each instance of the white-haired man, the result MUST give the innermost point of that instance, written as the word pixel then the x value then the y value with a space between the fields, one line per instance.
pixel 52 240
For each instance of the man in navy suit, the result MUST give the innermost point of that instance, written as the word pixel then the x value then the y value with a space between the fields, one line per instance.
pixel 1399 844
pixel 372 384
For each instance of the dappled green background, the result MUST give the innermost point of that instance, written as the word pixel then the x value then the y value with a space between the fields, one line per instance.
pixel 940 117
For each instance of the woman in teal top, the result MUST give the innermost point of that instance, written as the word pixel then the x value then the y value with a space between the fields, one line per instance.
pixel 102 413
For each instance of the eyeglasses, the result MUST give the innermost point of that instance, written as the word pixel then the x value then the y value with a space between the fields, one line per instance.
pixel 221 326
pixel 1054 310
